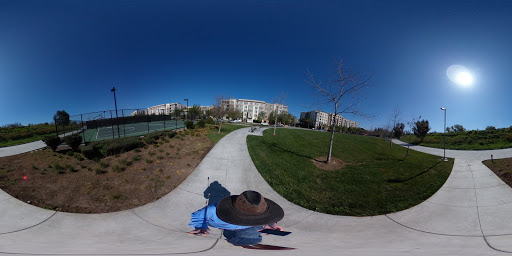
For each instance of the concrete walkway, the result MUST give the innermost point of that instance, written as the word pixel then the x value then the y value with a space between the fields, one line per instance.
pixel 467 216
pixel 27 147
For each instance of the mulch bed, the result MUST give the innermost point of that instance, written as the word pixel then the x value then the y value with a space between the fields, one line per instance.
pixel 65 181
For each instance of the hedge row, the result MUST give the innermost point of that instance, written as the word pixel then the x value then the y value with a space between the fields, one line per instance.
pixel 151 138
pixel 100 149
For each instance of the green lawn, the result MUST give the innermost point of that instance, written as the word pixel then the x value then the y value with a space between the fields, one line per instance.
pixel 224 130
pixel 470 140
pixel 375 180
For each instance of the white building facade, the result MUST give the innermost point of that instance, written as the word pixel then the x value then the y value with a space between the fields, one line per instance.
pixel 250 109
pixel 165 109
pixel 324 120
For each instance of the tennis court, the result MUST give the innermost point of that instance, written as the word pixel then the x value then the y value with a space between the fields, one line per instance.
pixel 130 129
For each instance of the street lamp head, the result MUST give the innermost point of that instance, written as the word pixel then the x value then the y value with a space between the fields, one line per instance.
pixel 443 108
pixel 113 89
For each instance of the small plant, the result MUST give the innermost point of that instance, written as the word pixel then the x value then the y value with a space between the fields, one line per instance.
pixel 149 161
pixel 99 171
pixel 151 153
pixel 79 157
pixel 155 145
pixel 117 168
pixel 103 164
pixel 73 141
pixel 157 184
pixel 83 166
pixel 137 150
pixel 58 167
pixel 43 172
pixel 71 168
pixel 201 123
pixel 136 158
pixel 160 150
pixel 34 167
pixel 160 157
pixel 189 124
pixel 52 141
pixel 69 153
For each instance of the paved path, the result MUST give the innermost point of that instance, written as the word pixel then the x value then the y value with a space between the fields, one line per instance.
pixel 467 216
pixel 27 147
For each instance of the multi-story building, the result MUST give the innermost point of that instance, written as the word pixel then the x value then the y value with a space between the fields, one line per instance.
pixel 169 108
pixel 250 109
pixel 318 118
pixel 165 109
pixel 324 120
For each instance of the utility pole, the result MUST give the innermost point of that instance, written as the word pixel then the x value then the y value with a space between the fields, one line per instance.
pixel 117 119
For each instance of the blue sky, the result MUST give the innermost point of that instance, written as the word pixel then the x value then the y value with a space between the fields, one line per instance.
pixel 68 54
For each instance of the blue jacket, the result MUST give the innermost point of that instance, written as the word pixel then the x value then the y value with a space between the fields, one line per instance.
pixel 207 217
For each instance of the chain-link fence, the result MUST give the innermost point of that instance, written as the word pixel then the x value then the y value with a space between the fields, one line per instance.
pixel 109 124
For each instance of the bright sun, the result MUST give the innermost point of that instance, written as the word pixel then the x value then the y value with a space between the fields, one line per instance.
pixel 460 75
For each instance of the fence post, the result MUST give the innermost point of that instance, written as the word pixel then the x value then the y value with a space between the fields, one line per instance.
pixel 122 119
pixel 112 124
pixel 147 119
pixel 82 124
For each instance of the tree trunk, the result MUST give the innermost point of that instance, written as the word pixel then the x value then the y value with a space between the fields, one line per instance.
pixel 220 126
pixel 332 136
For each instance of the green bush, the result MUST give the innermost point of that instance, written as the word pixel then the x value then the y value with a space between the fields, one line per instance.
pixel 92 151
pixel 508 137
pixel 189 124
pixel 52 141
pixel 118 146
pixel 201 123
pixel 209 120
pixel 98 150
pixel 73 141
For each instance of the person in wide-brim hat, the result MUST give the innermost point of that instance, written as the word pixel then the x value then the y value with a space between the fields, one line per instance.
pixel 249 209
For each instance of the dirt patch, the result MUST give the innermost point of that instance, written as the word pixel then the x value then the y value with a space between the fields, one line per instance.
pixel 65 181
pixel 502 168
pixel 335 163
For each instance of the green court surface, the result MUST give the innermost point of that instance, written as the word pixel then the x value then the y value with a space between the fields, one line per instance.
pixel 131 129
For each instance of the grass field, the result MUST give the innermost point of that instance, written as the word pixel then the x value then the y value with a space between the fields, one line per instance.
pixel 10 136
pixel 470 140
pixel 375 180
pixel 225 129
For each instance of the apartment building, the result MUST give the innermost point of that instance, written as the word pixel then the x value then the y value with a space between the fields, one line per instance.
pixel 323 119
pixel 318 118
pixel 250 109
pixel 165 109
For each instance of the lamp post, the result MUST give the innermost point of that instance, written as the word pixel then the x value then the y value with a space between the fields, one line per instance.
pixel 117 119
pixel 186 114
pixel 444 133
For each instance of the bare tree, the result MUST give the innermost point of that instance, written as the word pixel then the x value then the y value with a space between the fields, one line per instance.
pixel 345 82
pixel 395 117
pixel 278 100
pixel 219 109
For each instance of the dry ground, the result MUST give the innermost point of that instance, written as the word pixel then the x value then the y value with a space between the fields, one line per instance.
pixel 502 168
pixel 64 181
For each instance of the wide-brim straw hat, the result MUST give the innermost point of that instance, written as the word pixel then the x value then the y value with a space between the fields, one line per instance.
pixel 249 209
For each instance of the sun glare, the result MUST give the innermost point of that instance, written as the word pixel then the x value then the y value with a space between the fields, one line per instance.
pixel 460 75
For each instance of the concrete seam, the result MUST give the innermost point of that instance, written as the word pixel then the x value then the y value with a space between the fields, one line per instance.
pixel 178 231
pixel 30 226
pixel 428 232
pixel 479 221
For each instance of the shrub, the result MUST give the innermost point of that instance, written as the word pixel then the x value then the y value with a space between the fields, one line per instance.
pixel 52 141
pixel 117 146
pixel 201 123
pixel 209 120
pixel 189 124
pixel 508 137
pixel 73 141
pixel 92 151
pixel 98 150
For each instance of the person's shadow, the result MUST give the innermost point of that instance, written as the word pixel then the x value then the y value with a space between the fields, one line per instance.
pixel 215 192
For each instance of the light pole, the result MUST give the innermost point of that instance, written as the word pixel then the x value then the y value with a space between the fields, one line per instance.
pixel 186 114
pixel 115 102
pixel 444 133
